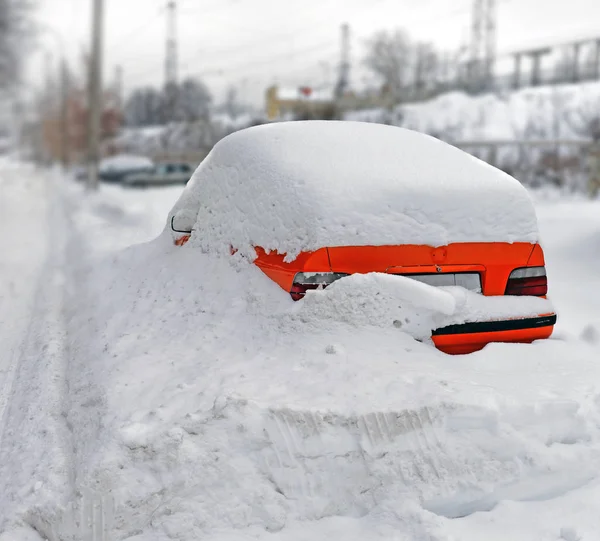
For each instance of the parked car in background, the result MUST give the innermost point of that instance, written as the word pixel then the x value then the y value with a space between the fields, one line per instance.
pixel 160 175
pixel 116 168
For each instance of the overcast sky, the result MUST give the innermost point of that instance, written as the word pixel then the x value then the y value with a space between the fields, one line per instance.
pixel 253 43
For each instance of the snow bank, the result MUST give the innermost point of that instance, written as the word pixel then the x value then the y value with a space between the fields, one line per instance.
pixel 548 112
pixel 383 300
pixel 299 186
pixel 35 443
pixel 571 243
pixel 221 409
pixel 204 404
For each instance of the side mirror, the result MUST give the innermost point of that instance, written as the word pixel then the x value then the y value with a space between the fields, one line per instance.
pixel 183 221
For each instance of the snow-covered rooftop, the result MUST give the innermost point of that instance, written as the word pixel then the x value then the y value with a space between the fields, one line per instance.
pixel 305 94
pixel 299 186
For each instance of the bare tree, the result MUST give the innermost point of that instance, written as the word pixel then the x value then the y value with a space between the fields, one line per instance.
pixel 148 106
pixel 427 67
pixel 584 120
pixel 231 106
pixel 194 101
pixel 389 57
pixel 14 30
pixel 144 107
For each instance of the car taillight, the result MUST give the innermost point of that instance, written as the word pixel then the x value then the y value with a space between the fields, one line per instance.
pixel 303 281
pixel 527 281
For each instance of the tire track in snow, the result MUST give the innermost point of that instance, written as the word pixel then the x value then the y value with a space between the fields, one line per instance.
pixel 35 446
pixel 16 357
pixel 19 268
pixel 328 461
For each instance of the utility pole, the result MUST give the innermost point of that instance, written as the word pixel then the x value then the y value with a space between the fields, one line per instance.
pixel 483 45
pixel 171 62
pixel 344 68
pixel 95 95
pixel 49 112
pixel 576 54
pixel 490 43
pixel 596 70
pixel 64 123
pixel 119 87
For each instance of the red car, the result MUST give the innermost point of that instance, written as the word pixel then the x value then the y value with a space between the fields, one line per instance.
pixel 313 202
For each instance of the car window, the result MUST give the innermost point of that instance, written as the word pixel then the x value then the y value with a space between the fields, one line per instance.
pixel 161 169
pixel 185 168
pixel 171 168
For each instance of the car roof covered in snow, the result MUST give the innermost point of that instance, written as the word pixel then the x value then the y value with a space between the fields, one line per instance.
pixel 300 186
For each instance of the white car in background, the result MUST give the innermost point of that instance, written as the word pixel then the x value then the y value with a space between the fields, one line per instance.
pixel 160 175
pixel 115 168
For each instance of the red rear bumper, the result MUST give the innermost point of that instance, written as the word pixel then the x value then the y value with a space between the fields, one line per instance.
pixel 470 337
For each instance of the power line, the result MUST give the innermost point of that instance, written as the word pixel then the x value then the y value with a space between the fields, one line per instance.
pixel 138 29
pixel 265 61
pixel 218 69
pixel 252 44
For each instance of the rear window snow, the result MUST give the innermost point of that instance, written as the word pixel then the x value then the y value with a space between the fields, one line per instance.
pixel 300 186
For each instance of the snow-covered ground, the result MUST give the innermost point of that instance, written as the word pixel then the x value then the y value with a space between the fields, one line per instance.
pixel 570 229
pixel 131 393
pixel 547 112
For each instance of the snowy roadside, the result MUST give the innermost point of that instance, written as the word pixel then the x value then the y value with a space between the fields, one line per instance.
pixel 197 418
pixel 206 420
pixel 41 263
pixel 570 227
pixel 35 441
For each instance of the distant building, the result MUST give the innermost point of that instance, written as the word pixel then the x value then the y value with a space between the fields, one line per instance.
pixel 301 102
pixel 308 103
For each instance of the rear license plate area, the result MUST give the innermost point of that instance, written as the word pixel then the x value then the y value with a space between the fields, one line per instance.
pixel 468 280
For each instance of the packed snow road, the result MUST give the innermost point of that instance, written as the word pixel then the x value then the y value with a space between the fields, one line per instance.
pixel 127 388
pixel 39 257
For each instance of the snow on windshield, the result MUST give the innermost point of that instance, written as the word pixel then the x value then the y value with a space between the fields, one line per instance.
pixel 300 186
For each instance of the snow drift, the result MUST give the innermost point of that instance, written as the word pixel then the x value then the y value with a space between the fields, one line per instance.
pixel 546 112
pixel 204 404
pixel 383 300
pixel 227 411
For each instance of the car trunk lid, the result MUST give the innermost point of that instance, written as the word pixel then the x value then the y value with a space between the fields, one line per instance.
pixel 456 264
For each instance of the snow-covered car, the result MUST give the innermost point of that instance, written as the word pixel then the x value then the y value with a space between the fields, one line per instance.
pixel 116 168
pixel 313 202
pixel 160 175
